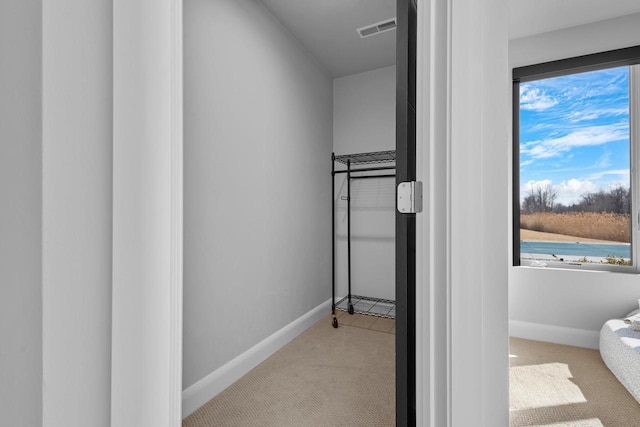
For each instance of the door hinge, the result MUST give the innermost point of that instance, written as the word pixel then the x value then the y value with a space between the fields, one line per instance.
pixel 410 197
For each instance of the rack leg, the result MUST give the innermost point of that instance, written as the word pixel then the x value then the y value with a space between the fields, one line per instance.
pixel 349 234
pixel 334 322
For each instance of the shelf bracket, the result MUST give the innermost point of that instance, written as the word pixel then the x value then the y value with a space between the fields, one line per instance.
pixel 410 197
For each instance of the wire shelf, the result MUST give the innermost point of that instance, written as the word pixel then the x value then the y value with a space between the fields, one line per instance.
pixel 371 306
pixel 367 158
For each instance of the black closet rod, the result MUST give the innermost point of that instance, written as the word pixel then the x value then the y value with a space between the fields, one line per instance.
pixel 374 176
pixel 379 168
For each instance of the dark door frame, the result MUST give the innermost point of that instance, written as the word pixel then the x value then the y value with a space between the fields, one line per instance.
pixel 406 42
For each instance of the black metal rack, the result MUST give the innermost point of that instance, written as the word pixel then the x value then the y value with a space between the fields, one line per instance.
pixel 357 303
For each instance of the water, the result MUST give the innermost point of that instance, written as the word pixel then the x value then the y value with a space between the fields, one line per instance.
pixel 603 250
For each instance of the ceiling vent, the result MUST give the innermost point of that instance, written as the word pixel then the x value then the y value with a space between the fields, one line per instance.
pixel 380 27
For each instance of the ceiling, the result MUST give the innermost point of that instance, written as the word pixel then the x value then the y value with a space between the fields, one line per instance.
pixel 327 28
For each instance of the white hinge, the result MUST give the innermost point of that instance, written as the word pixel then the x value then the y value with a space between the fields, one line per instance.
pixel 410 197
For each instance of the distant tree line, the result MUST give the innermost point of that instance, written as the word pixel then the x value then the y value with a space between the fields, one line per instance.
pixel 542 199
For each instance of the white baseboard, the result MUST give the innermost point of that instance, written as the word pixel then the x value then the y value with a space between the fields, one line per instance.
pixel 555 334
pixel 208 387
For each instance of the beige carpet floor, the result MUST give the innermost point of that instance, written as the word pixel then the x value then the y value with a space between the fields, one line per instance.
pixel 324 377
pixel 563 386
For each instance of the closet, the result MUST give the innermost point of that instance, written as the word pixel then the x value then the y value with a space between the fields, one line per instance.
pixel 264 110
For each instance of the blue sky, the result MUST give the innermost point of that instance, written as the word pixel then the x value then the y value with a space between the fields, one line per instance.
pixel 574 133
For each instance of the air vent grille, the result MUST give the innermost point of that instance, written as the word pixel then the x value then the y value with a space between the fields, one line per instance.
pixel 380 27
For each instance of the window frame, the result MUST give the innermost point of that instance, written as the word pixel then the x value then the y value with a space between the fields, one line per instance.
pixel 629 56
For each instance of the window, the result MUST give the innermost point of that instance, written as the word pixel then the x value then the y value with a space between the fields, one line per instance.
pixel 575 153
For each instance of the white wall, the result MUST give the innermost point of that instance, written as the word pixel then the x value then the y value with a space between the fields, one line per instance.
pixel 258 140
pixel 581 40
pixel 364 111
pixel 21 213
pixel 77 175
pixel 567 298
pixel 364 119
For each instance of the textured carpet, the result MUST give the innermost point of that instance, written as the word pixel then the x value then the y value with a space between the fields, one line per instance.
pixel 324 377
pixel 556 385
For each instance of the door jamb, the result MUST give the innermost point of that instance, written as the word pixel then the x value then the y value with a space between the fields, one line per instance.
pixel 142 22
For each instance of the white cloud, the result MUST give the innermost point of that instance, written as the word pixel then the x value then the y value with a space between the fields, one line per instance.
pixel 571 191
pixel 623 174
pixel 532 185
pixel 535 99
pixel 583 137
pixel 567 192
pixel 595 113
pixel 604 161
